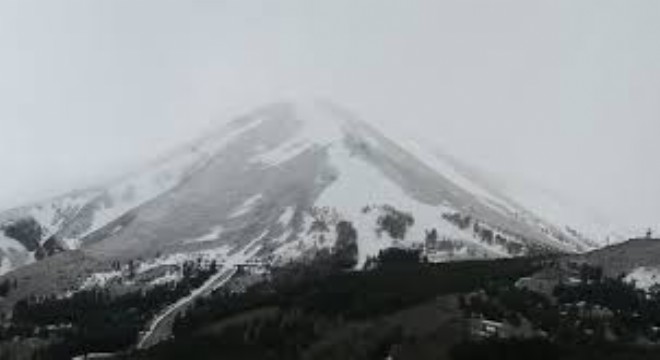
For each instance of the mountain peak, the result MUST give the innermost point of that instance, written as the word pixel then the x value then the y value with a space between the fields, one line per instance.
pixel 311 122
pixel 317 115
pixel 284 160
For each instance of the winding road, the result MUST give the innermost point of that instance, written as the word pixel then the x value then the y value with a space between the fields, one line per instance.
pixel 160 328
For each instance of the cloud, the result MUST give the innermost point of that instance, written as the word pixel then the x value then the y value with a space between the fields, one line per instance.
pixel 562 93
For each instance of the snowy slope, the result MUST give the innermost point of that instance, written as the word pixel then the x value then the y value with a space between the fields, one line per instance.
pixel 275 174
pixel 359 185
pixel 72 217
pixel 523 199
pixel 556 208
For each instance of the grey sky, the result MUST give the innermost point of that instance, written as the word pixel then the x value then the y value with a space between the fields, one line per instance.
pixel 563 93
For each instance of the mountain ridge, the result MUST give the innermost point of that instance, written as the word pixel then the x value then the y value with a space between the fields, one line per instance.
pixel 303 150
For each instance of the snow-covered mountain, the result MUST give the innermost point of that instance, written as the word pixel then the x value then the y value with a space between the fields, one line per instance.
pixel 275 183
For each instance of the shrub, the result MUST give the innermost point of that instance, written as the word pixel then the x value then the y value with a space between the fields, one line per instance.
pixel 27 231
pixel 395 222
pixel 346 248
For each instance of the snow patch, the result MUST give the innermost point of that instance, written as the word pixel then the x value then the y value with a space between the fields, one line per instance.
pixel 12 254
pixel 287 216
pixel 246 206
pixel 359 184
pixel 170 277
pixel 450 172
pixel 283 153
pixel 218 254
pixel 100 279
pixel 212 235
pixel 161 177
pixel 5 266
pixel 71 243
pixel 319 128
pixel 644 277
pixel 7 243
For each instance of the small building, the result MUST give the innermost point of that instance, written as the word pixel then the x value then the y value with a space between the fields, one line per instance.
pixel 489 329
pixel 485 329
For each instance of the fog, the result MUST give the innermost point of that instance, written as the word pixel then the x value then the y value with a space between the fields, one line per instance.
pixel 564 94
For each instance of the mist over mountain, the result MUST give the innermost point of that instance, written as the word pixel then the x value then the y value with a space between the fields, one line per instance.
pixel 338 180
pixel 288 184
pixel 271 175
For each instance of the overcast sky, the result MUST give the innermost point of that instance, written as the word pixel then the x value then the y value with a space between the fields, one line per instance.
pixel 562 93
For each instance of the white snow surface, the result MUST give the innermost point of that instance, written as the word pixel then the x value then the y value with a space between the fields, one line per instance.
pixel 557 210
pixel 170 277
pixel 644 277
pixel 320 128
pixel 213 234
pixel 282 153
pixel 100 279
pixel 122 195
pixel 7 243
pixel 160 177
pixel 118 197
pixel 359 184
pixel 527 202
pixel 287 216
pixel 5 266
pixel 11 246
pixel 48 214
pixel 218 254
pixel 246 206
pixel 71 243
pixel 450 172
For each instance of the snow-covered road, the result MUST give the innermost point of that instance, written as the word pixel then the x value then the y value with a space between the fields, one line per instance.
pixel 161 327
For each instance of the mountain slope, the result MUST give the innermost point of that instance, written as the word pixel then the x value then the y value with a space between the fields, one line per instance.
pixel 279 181
pixel 71 217
pixel 529 200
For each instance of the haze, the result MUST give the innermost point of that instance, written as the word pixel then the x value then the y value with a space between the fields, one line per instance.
pixel 560 93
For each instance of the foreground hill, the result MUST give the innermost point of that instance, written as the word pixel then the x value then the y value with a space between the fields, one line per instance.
pixel 636 260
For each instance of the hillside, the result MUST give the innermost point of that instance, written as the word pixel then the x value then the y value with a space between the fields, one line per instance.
pixel 282 184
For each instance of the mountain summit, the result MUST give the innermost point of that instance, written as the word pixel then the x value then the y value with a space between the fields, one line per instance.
pixel 273 186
